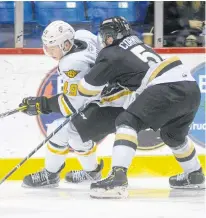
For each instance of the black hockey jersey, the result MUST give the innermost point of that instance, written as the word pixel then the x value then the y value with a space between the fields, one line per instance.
pixel 124 63
pixel 127 69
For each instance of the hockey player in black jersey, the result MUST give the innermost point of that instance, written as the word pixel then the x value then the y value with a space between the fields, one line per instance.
pixel 167 98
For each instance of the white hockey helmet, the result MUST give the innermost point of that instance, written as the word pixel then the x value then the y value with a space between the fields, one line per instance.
pixel 57 33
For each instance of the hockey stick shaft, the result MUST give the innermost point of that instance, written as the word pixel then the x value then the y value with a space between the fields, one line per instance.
pixel 13 111
pixel 37 148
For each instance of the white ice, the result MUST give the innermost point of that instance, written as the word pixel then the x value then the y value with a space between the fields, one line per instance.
pixel 149 198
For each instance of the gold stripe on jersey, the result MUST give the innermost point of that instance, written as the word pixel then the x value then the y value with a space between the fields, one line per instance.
pixel 116 96
pixel 86 92
pixel 161 67
pixel 57 151
pixel 126 137
pixel 64 106
pixel 93 150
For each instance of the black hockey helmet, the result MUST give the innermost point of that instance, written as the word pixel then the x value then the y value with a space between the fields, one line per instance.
pixel 115 27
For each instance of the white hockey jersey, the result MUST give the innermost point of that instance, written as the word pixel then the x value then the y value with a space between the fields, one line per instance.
pixel 73 67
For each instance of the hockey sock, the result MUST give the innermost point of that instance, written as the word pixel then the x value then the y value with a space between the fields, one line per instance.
pixel 124 146
pixel 89 160
pixel 186 155
pixel 55 157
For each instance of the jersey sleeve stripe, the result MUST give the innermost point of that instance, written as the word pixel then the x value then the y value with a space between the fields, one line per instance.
pixel 69 104
pixel 66 111
pixel 85 92
pixel 163 65
pixel 86 89
pixel 115 97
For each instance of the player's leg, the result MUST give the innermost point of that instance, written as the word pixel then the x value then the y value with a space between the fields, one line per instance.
pixel 143 113
pixel 94 123
pixel 56 151
pixel 128 125
pixel 174 134
pixel 124 148
pixel 153 108
pixel 185 153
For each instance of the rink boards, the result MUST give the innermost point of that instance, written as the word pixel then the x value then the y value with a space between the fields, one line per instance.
pixel 23 75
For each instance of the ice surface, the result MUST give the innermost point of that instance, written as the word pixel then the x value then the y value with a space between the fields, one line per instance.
pixel 149 198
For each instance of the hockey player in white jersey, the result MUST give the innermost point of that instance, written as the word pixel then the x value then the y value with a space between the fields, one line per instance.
pixel 76 53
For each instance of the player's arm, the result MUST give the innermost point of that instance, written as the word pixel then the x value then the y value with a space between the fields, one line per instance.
pixel 63 103
pixel 68 102
pixel 93 83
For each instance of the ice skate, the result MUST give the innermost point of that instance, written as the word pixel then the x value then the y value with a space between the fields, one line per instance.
pixel 193 180
pixel 78 176
pixel 42 179
pixel 114 186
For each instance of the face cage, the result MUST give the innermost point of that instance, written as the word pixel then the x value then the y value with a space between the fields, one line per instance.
pixel 104 35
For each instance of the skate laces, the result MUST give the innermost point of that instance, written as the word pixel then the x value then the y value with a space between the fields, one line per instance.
pixel 80 175
pixel 182 176
pixel 40 176
pixel 109 177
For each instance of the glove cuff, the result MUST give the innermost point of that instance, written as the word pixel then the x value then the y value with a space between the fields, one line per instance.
pixel 44 106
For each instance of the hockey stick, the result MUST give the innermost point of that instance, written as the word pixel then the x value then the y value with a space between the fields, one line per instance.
pixel 41 144
pixel 13 111
pixel 37 148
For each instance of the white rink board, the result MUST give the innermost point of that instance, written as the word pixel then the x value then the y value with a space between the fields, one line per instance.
pixel 21 76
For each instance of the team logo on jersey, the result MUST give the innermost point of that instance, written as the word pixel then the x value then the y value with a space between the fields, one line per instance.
pixel 52 84
pixel 71 73
pixel 198 128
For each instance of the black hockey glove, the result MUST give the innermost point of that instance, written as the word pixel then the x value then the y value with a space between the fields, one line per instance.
pixel 36 105
pixel 111 89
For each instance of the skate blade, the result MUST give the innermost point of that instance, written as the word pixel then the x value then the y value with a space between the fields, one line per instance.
pixel 190 186
pixel 40 187
pixel 78 183
pixel 116 193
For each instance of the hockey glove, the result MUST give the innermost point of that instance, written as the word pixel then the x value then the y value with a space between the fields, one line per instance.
pixel 36 105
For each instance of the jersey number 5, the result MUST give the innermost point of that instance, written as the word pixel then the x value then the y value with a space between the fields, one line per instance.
pixel 144 55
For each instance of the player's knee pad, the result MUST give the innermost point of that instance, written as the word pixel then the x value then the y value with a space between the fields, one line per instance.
pixel 172 140
pixel 128 119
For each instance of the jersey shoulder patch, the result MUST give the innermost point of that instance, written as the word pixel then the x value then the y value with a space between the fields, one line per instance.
pixel 71 73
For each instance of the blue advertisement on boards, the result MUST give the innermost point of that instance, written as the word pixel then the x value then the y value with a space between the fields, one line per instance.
pixel 198 128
